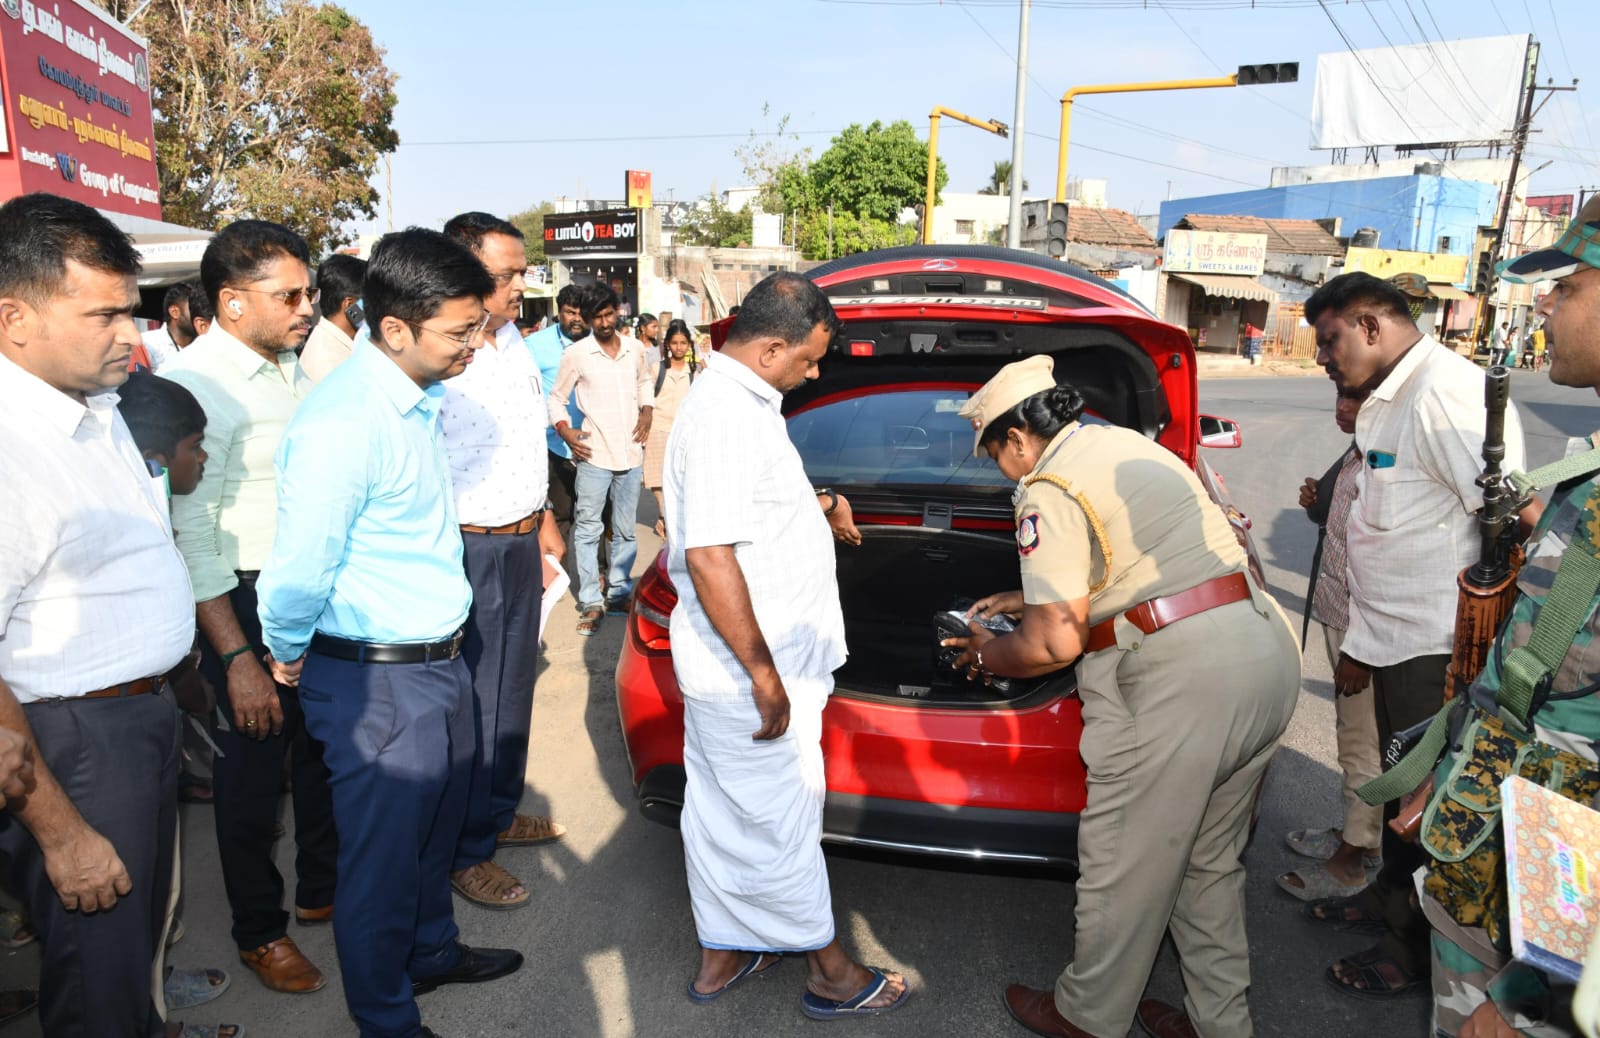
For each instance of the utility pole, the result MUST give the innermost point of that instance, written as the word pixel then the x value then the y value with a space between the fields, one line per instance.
pixel 830 230
pixel 1014 215
pixel 388 190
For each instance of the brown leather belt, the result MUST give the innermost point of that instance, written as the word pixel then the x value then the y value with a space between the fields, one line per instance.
pixel 1157 613
pixel 127 688
pixel 527 524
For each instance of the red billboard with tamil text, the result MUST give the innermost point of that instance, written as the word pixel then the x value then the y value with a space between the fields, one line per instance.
pixel 77 116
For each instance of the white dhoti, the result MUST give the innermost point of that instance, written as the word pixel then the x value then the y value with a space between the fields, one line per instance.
pixel 752 825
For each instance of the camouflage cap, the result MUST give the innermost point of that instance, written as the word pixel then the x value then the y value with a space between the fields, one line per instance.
pixel 1577 247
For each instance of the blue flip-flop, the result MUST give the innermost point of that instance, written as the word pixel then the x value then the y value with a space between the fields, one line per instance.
pixel 819 1008
pixel 749 969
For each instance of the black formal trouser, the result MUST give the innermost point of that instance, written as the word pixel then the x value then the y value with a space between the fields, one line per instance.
pixel 117 761
pixel 247 785
pixel 563 490
pixel 502 652
pixel 1403 695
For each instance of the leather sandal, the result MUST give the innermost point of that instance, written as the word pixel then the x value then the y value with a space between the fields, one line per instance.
pixel 485 884
pixel 589 620
pixel 527 830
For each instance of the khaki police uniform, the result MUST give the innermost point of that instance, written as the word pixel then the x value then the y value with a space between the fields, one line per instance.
pixel 1179 724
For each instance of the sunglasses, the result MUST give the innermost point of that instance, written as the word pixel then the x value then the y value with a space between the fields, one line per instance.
pixel 290 296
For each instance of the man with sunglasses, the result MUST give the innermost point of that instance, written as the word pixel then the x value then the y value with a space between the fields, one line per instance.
pixel 247 378
pixel 364 604
pixel 493 423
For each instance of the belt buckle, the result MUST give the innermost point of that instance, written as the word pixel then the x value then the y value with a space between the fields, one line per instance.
pixel 455 643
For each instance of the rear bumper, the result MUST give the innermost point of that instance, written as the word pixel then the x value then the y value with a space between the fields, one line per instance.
pixel 976 834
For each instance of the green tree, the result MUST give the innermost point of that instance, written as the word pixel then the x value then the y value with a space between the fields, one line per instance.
pixel 875 171
pixel 531 223
pixel 1000 180
pixel 714 224
pixel 273 109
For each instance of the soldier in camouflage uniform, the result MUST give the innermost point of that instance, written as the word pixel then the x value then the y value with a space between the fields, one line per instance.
pixel 1478 991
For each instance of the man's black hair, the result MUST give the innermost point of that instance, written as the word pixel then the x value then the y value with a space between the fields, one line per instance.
pixel 40 232
pixel 200 305
pixel 177 295
pixel 596 297
pixel 159 412
pixel 240 253
pixel 414 272
pixel 470 229
pixel 1357 289
pixel 570 295
pixel 525 325
pixel 339 278
pixel 783 306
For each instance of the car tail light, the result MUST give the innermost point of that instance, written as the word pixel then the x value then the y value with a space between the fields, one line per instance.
pixel 653 603
pixel 860 348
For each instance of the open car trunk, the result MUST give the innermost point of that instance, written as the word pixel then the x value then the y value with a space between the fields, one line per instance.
pixel 891 586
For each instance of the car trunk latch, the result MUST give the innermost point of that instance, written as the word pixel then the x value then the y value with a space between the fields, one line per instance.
pixel 938 516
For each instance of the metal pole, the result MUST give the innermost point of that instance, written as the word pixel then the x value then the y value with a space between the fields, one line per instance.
pixel 1014 217
pixel 1530 81
pixel 933 178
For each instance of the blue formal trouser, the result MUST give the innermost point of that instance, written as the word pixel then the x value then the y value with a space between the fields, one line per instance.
pixel 502 652
pixel 117 761
pixel 594 485
pixel 398 742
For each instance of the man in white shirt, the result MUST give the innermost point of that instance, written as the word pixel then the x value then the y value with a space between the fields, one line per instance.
pixel 94 609
pixel 339 282
pixel 176 333
pixel 756 637
pixel 606 374
pixel 1410 535
pixel 493 422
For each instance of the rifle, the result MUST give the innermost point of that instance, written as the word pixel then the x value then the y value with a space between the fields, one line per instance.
pixel 1487 588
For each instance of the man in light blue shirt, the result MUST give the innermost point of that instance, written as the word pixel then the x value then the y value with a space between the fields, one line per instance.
pixel 547 346
pixel 362 603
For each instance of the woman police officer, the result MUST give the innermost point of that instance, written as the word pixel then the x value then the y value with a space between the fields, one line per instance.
pixel 1188 676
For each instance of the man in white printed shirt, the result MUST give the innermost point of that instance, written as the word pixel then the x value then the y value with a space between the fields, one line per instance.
pixel 493 422
pixel 607 375
pixel 756 637
pixel 94 609
pixel 1410 534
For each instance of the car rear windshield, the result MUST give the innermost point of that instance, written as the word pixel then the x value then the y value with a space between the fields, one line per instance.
pixel 910 436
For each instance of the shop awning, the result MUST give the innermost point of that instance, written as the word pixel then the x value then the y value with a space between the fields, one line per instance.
pixel 169 252
pixel 1447 292
pixel 1230 286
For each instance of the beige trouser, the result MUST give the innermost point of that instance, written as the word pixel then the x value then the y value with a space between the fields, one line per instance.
pixel 1177 736
pixel 1360 759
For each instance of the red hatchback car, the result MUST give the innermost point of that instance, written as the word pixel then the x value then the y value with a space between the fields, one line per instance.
pixel 919 759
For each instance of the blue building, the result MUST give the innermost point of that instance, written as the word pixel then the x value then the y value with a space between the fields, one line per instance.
pixel 1417 213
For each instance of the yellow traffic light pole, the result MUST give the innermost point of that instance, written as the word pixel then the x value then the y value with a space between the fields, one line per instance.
pixel 997 128
pixel 1119 88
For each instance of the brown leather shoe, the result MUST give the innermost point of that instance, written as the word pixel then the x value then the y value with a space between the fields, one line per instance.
pixel 313 916
pixel 282 967
pixel 1164 1021
pixel 1036 1010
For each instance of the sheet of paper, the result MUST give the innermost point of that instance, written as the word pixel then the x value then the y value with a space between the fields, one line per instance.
pixel 556 583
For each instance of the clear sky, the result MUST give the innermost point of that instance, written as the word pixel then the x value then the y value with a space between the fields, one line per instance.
pixel 504 104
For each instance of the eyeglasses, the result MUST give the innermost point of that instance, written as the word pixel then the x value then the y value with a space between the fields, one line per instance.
pixel 505 277
pixel 289 296
pixel 465 342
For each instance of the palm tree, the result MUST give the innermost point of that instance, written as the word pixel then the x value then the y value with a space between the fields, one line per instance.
pixel 1000 180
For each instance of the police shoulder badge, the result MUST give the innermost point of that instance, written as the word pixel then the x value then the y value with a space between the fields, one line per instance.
pixel 1028 533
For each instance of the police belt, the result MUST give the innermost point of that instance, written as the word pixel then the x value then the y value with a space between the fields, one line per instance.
pixel 1157 613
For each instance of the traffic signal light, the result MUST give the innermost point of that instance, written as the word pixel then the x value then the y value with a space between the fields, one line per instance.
pixel 1056 230
pixel 1483 284
pixel 1280 72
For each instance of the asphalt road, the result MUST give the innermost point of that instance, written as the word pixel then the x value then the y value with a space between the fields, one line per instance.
pixel 608 934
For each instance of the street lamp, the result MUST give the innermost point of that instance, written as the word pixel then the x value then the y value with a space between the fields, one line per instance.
pixel 1248 75
pixel 994 126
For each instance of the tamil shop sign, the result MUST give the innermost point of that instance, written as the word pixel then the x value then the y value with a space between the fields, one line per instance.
pixel 1215 252
pixel 601 231
pixel 77 101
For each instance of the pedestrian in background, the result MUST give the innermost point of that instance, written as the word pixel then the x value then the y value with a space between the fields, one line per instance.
pixel 339 304
pixel 548 345
pixel 177 330
pixel 94 609
pixel 362 606
pixel 248 380
pixel 1344 854
pixel 672 385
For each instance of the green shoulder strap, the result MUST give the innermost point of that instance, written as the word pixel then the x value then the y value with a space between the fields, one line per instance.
pixel 1527 483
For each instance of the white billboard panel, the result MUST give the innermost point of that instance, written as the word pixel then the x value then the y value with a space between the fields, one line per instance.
pixel 1460 90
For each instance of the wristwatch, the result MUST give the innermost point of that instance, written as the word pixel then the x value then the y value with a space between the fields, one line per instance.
pixel 833 500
